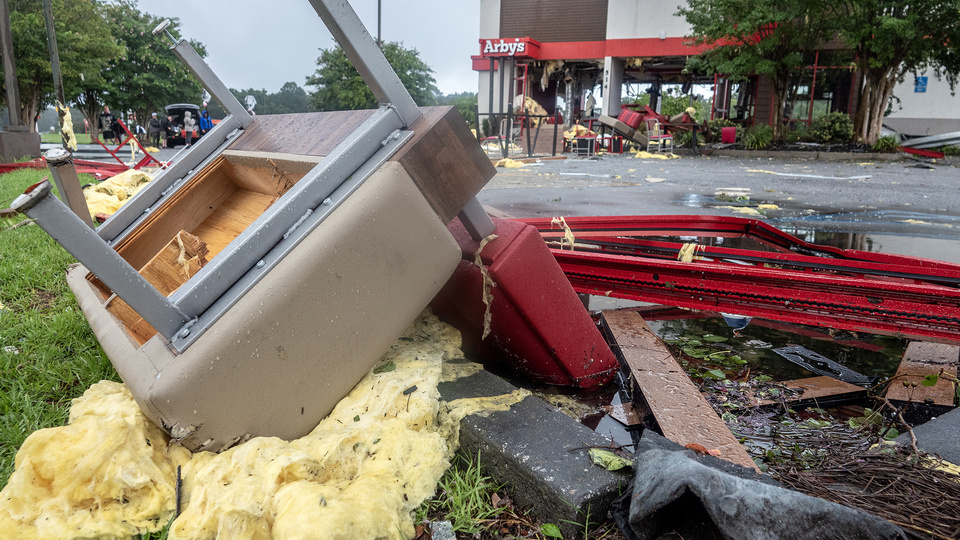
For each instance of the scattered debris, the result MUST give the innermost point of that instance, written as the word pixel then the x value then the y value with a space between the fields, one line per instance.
pixel 674 491
pixel 821 365
pixel 795 175
pixel 663 394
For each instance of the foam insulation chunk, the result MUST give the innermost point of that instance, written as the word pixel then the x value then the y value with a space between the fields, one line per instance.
pixel 108 196
pixel 360 474
pixel 108 473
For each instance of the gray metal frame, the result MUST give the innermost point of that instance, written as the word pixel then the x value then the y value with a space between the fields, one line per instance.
pixel 186 314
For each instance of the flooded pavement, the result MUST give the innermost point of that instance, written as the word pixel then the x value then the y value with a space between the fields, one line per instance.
pixel 885 207
pixel 892 198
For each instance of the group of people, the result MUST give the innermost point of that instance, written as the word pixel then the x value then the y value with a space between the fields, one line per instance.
pixel 167 127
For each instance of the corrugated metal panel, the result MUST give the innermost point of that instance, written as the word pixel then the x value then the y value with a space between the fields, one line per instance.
pixel 549 21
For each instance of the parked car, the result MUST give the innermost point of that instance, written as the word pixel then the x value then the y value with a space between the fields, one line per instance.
pixel 176 111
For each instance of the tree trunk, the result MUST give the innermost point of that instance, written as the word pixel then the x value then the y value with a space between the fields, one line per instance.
pixel 780 87
pixel 877 88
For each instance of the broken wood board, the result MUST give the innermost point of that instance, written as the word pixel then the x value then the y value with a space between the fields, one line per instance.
pixel 178 261
pixel 674 402
pixel 920 361
pixel 817 390
pixel 625 414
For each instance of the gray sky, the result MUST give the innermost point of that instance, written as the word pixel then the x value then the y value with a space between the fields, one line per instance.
pixel 258 44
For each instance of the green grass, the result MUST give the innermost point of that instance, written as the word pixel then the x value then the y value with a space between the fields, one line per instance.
pixel 82 138
pixel 48 354
pixel 463 497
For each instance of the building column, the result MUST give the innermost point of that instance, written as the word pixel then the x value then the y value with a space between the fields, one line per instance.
pixel 612 86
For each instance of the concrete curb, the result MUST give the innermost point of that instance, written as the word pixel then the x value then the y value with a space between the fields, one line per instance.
pixel 540 450
pixel 796 154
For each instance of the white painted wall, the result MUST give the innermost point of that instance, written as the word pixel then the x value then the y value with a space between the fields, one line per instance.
pixel 632 19
pixel 925 113
pixel 489 20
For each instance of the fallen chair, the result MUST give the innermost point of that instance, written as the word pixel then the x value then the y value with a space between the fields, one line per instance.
pixel 248 287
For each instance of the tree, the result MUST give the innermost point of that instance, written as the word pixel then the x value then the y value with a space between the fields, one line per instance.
pixel 465 102
pixel 758 37
pixel 892 38
pixel 340 87
pixel 84 41
pixel 148 75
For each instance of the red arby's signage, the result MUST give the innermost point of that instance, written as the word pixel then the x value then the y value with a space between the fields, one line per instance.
pixel 518 47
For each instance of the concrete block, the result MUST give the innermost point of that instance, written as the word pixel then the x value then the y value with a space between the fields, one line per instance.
pixel 16 145
pixel 535 450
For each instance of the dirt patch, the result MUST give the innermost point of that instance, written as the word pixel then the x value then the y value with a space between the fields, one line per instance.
pixel 42 300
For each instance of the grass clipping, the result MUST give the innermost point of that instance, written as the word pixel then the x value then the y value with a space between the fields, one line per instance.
pixel 359 474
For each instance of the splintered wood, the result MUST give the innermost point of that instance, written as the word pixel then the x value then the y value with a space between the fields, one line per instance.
pixel 682 413
pixel 177 262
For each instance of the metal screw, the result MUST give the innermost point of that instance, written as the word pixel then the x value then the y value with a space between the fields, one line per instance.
pixel 328 201
pixel 184 333
pixel 261 264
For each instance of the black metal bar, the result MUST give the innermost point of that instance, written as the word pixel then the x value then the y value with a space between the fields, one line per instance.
pixel 556 124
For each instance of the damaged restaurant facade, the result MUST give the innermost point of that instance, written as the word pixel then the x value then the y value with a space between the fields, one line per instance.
pixel 562 52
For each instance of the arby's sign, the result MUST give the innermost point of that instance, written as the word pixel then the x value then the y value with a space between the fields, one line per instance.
pixel 506 47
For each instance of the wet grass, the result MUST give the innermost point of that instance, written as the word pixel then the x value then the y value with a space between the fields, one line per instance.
pixel 48 354
pixel 477 507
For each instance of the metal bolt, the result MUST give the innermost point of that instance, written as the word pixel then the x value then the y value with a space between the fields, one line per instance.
pixel 327 202
pixel 261 264
pixel 185 332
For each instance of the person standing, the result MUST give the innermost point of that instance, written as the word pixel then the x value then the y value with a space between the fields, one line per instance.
pixel 206 123
pixel 167 125
pixel 106 121
pixel 189 124
pixel 154 127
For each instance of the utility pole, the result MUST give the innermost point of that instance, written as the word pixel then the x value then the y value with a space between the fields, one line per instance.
pixel 54 52
pixel 55 63
pixel 379 42
pixel 9 65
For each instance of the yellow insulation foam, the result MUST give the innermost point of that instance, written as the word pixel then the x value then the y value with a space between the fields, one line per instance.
pixel 359 474
pixel 108 473
pixel 108 196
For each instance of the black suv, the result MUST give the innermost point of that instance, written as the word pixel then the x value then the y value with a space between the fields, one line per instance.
pixel 176 111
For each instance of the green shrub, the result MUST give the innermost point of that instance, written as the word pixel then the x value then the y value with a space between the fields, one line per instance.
pixel 798 133
pixel 949 150
pixel 713 129
pixel 832 128
pixel 758 137
pixel 886 145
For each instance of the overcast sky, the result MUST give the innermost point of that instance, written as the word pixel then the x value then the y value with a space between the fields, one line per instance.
pixel 261 45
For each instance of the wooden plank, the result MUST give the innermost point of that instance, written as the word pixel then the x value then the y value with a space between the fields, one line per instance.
pixel 675 403
pixel 138 328
pixel 231 217
pixel 445 161
pixel 816 389
pixel 920 360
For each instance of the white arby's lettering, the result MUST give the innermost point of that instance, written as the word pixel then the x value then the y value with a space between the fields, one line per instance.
pixel 510 48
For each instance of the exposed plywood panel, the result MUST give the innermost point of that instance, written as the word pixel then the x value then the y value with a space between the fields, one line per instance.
pixel 231 217
pixel 185 210
pixel 170 268
pixel 680 410
pixel 549 21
